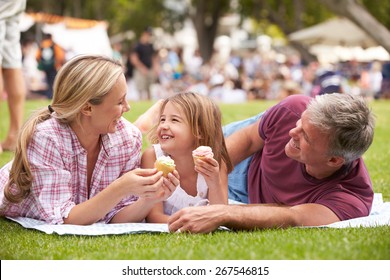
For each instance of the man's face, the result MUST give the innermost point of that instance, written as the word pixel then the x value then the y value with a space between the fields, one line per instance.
pixel 146 37
pixel 308 144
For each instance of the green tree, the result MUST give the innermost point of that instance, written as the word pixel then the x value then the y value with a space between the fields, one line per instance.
pixel 122 15
pixel 359 14
pixel 288 15
pixel 205 15
pixel 293 15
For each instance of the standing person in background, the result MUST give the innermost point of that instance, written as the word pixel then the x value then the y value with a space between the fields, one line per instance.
pixel 385 83
pixel 117 52
pixel 132 93
pixel 50 57
pixel 143 59
pixel 11 76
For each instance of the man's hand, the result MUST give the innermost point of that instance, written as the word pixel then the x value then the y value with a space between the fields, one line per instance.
pixel 201 219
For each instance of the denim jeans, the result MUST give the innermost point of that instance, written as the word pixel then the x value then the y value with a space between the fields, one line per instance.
pixel 237 179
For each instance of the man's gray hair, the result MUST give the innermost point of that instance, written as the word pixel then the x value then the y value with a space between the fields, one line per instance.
pixel 347 119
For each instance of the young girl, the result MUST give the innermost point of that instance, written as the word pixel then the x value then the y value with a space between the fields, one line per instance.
pixel 187 121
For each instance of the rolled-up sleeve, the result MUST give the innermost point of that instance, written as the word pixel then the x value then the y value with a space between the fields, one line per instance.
pixel 51 188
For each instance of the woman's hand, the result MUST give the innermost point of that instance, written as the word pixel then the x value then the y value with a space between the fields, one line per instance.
pixel 142 182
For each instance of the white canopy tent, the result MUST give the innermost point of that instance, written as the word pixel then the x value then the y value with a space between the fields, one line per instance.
pixel 339 39
pixel 77 36
pixel 334 54
pixel 334 32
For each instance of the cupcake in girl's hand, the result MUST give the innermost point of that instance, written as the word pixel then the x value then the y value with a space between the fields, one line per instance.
pixel 165 164
pixel 202 152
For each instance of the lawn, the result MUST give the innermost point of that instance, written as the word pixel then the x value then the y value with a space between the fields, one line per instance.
pixel 18 243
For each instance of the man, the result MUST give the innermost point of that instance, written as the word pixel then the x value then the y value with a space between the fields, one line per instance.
pixel 11 75
pixel 143 60
pixel 306 168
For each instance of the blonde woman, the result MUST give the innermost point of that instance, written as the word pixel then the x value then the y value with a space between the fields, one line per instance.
pixel 77 160
pixel 187 121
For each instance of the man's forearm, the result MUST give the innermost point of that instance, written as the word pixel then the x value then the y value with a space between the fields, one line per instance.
pixel 251 217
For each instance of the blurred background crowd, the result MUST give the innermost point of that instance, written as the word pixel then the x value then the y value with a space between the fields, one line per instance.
pixel 243 63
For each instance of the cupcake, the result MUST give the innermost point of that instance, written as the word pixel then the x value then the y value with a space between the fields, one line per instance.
pixel 202 152
pixel 165 164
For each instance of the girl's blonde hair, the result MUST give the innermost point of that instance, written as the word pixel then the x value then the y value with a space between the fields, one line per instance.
pixel 205 120
pixel 83 79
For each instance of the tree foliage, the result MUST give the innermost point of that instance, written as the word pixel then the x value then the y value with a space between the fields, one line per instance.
pixel 288 15
pixel 205 15
pixel 122 15
pixel 293 15
pixel 358 14
pixel 379 9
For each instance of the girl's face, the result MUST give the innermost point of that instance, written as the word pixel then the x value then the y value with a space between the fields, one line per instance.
pixel 174 133
pixel 106 115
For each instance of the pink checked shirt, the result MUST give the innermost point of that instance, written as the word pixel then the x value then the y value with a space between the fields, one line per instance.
pixel 58 164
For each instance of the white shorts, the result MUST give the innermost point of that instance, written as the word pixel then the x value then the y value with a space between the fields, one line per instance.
pixel 10 49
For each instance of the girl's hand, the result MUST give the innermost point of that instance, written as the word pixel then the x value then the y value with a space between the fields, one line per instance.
pixel 171 183
pixel 209 168
pixel 216 179
pixel 169 186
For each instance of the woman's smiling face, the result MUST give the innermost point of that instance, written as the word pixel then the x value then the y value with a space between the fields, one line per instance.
pixel 106 115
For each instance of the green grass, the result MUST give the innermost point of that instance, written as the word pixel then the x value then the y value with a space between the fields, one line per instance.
pixel 293 243
pixel 274 244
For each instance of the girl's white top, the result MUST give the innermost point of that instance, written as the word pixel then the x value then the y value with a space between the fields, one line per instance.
pixel 179 198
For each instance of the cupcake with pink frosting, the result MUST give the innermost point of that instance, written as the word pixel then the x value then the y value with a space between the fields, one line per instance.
pixel 202 152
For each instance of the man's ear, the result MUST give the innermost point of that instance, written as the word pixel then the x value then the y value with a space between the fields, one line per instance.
pixel 336 161
pixel 86 109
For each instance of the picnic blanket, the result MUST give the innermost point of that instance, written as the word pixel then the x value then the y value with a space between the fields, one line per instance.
pixel 94 229
pixel 379 216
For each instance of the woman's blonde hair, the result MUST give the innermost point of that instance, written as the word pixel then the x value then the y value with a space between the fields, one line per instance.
pixel 205 120
pixel 83 79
